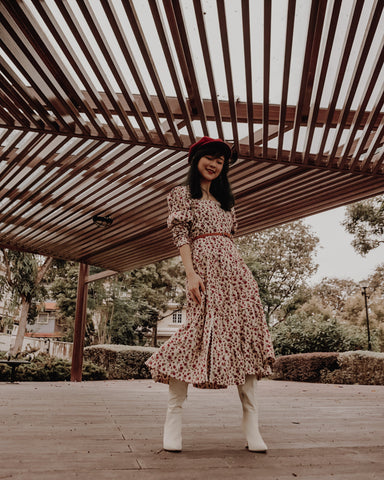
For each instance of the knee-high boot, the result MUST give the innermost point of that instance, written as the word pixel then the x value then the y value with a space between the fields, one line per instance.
pixel 172 428
pixel 250 424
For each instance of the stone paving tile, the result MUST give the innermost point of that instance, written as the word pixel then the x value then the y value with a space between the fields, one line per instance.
pixel 112 430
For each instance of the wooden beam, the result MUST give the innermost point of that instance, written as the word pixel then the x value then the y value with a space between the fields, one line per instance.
pixel 99 276
pixel 80 322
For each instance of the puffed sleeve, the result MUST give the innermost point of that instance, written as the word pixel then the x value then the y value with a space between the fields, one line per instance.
pixel 180 215
pixel 234 221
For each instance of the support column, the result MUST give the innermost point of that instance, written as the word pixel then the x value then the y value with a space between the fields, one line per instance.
pixel 80 322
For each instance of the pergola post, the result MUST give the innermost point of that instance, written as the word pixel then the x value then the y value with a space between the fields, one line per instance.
pixel 80 322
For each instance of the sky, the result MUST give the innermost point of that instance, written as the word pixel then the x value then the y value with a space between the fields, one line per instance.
pixel 336 256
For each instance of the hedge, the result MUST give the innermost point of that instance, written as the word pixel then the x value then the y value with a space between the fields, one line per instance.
pixel 359 367
pixel 121 361
pixel 44 368
pixel 304 367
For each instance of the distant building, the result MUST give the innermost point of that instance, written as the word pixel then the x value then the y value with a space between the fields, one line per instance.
pixel 172 320
pixel 47 323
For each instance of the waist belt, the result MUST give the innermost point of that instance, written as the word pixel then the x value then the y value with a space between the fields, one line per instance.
pixel 203 235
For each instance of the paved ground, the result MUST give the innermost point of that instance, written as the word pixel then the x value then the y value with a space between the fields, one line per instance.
pixel 112 430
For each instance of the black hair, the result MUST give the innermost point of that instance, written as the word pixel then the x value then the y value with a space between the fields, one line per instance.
pixel 220 186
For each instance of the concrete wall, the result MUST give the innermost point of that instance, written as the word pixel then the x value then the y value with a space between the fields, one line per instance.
pixel 53 347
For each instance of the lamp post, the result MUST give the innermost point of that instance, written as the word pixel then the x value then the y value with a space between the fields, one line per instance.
pixel 364 293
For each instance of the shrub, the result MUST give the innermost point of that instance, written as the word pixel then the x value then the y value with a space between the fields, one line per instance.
pixel 44 368
pixel 121 361
pixel 302 334
pixel 362 367
pixel 304 367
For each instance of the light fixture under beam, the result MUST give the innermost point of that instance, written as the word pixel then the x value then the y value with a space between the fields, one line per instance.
pixel 102 221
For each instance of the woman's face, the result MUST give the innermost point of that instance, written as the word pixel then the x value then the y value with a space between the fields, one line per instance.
pixel 210 167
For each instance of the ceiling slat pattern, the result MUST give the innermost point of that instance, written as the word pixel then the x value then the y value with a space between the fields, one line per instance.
pixel 101 99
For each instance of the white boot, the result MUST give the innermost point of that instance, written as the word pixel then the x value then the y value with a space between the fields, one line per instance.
pixel 250 424
pixel 172 428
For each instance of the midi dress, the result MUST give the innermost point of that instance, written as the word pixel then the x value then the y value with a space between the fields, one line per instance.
pixel 226 337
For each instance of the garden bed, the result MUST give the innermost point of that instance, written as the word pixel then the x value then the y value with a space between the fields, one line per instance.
pixel 122 362
pixel 358 367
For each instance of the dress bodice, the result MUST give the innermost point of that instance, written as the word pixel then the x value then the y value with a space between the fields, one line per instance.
pixel 190 217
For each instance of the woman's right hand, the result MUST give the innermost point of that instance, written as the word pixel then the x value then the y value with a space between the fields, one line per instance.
pixel 195 286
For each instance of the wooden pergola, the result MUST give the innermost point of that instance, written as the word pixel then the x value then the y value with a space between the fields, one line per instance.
pixel 101 99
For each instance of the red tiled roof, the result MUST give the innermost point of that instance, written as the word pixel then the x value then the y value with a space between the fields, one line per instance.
pixel 43 335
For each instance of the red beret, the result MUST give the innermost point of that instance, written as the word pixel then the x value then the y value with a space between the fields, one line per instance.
pixel 205 141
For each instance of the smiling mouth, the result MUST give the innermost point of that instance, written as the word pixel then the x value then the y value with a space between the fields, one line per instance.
pixel 210 171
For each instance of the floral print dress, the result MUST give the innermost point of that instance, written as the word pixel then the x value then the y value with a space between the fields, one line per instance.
pixel 226 337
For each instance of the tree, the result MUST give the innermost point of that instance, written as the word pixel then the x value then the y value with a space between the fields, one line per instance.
pixel 23 277
pixel 334 292
pixel 125 306
pixel 300 333
pixel 152 288
pixel 376 280
pixel 281 260
pixel 63 289
pixel 365 221
pixel 342 299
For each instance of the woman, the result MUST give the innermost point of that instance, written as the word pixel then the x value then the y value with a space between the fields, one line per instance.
pixel 225 340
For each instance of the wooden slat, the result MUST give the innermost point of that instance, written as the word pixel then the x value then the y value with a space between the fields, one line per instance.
pixel 22 31
pixel 370 158
pixel 51 185
pixel 363 142
pixel 165 42
pixel 315 26
pixel 179 33
pixel 228 68
pixel 241 112
pixel 320 76
pixel 208 65
pixel 248 73
pixel 147 57
pixel 266 72
pixel 55 29
pixel 286 72
pixel 30 93
pixel 373 23
pixel 378 162
pixel 373 78
pixel 122 200
pixel 69 151
pixel 68 171
pixel 85 45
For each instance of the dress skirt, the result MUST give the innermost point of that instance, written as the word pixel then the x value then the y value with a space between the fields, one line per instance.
pixel 226 337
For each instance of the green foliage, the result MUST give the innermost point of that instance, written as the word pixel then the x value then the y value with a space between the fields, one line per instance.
pixel 122 328
pixel 359 367
pixel 365 221
pixel 149 290
pixel 301 334
pixel 44 368
pixel 363 368
pixel 334 292
pixel 63 289
pixel 22 273
pixel 281 260
pixel 91 371
pixel 120 361
pixel 20 276
pixel 304 367
pixel 125 305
